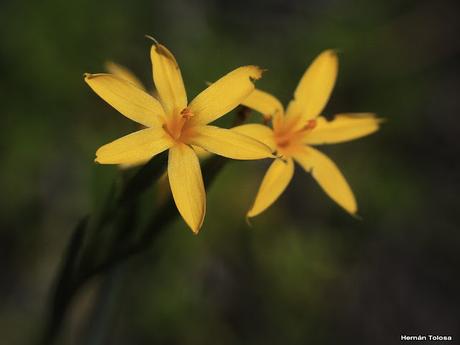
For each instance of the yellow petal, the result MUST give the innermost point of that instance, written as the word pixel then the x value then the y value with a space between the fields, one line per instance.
pixel 128 99
pixel 264 103
pixel 344 127
pixel 329 177
pixel 315 88
pixel 259 132
pixel 273 185
pixel 187 185
pixel 133 164
pixel 168 79
pixel 123 73
pixel 224 95
pixel 201 152
pixel 230 144
pixel 135 147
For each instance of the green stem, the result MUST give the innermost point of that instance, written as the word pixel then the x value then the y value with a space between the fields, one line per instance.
pixel 79 267
pixel 96 329
pixel 85 241
pixel 163 217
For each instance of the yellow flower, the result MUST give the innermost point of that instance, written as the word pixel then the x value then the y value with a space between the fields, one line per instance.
pixel 173 123
pixel 124 73
pixel 302 126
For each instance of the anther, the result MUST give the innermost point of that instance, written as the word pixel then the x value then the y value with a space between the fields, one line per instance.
pixel 311 124
pixel 267 119
pixel 186 113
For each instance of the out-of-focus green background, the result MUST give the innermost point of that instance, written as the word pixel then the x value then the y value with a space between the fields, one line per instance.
pixel 305 272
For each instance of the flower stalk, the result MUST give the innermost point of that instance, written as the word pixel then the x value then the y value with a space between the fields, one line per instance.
pixel 81 260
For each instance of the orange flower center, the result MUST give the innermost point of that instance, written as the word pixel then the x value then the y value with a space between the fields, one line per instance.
pixel 288 139
pixel 178 125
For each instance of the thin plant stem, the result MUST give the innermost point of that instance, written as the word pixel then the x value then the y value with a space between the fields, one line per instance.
pixel 96 328
pixel 79 266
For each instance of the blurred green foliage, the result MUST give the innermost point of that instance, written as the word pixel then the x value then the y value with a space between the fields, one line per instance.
pixel 305 272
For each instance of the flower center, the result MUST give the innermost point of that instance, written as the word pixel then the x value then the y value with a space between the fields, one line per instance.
pixel 177 125
pixel 288 140
pixel 283 140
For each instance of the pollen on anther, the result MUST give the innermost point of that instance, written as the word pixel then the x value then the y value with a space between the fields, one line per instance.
pixel 186 113
pixel 311 124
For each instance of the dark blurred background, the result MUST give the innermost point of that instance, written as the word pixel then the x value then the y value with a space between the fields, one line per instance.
pixel 305 272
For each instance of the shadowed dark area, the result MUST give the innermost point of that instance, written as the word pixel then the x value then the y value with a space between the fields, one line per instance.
pixel 305 272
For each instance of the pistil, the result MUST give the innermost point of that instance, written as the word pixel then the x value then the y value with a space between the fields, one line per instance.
pixel 176 127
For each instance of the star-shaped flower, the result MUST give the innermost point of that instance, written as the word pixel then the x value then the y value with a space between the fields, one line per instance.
pixel 301 126
pixel 124 73
pixel 174 124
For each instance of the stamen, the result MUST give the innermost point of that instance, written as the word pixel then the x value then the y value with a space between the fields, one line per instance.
pixel 267 119
pixel 186 113
pixel 311 124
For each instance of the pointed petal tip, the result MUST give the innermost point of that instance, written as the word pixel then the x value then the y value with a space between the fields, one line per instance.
pixel 356 216
pixel 155 42
pixel 250 214
pixel 89 76
pixel 378 120
pixel 373 116
pixel 352 209
pixel 248 220
pixel 334 52
pixel 196 228
pixel 256 73
pixel 98 159
pixel 195 231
